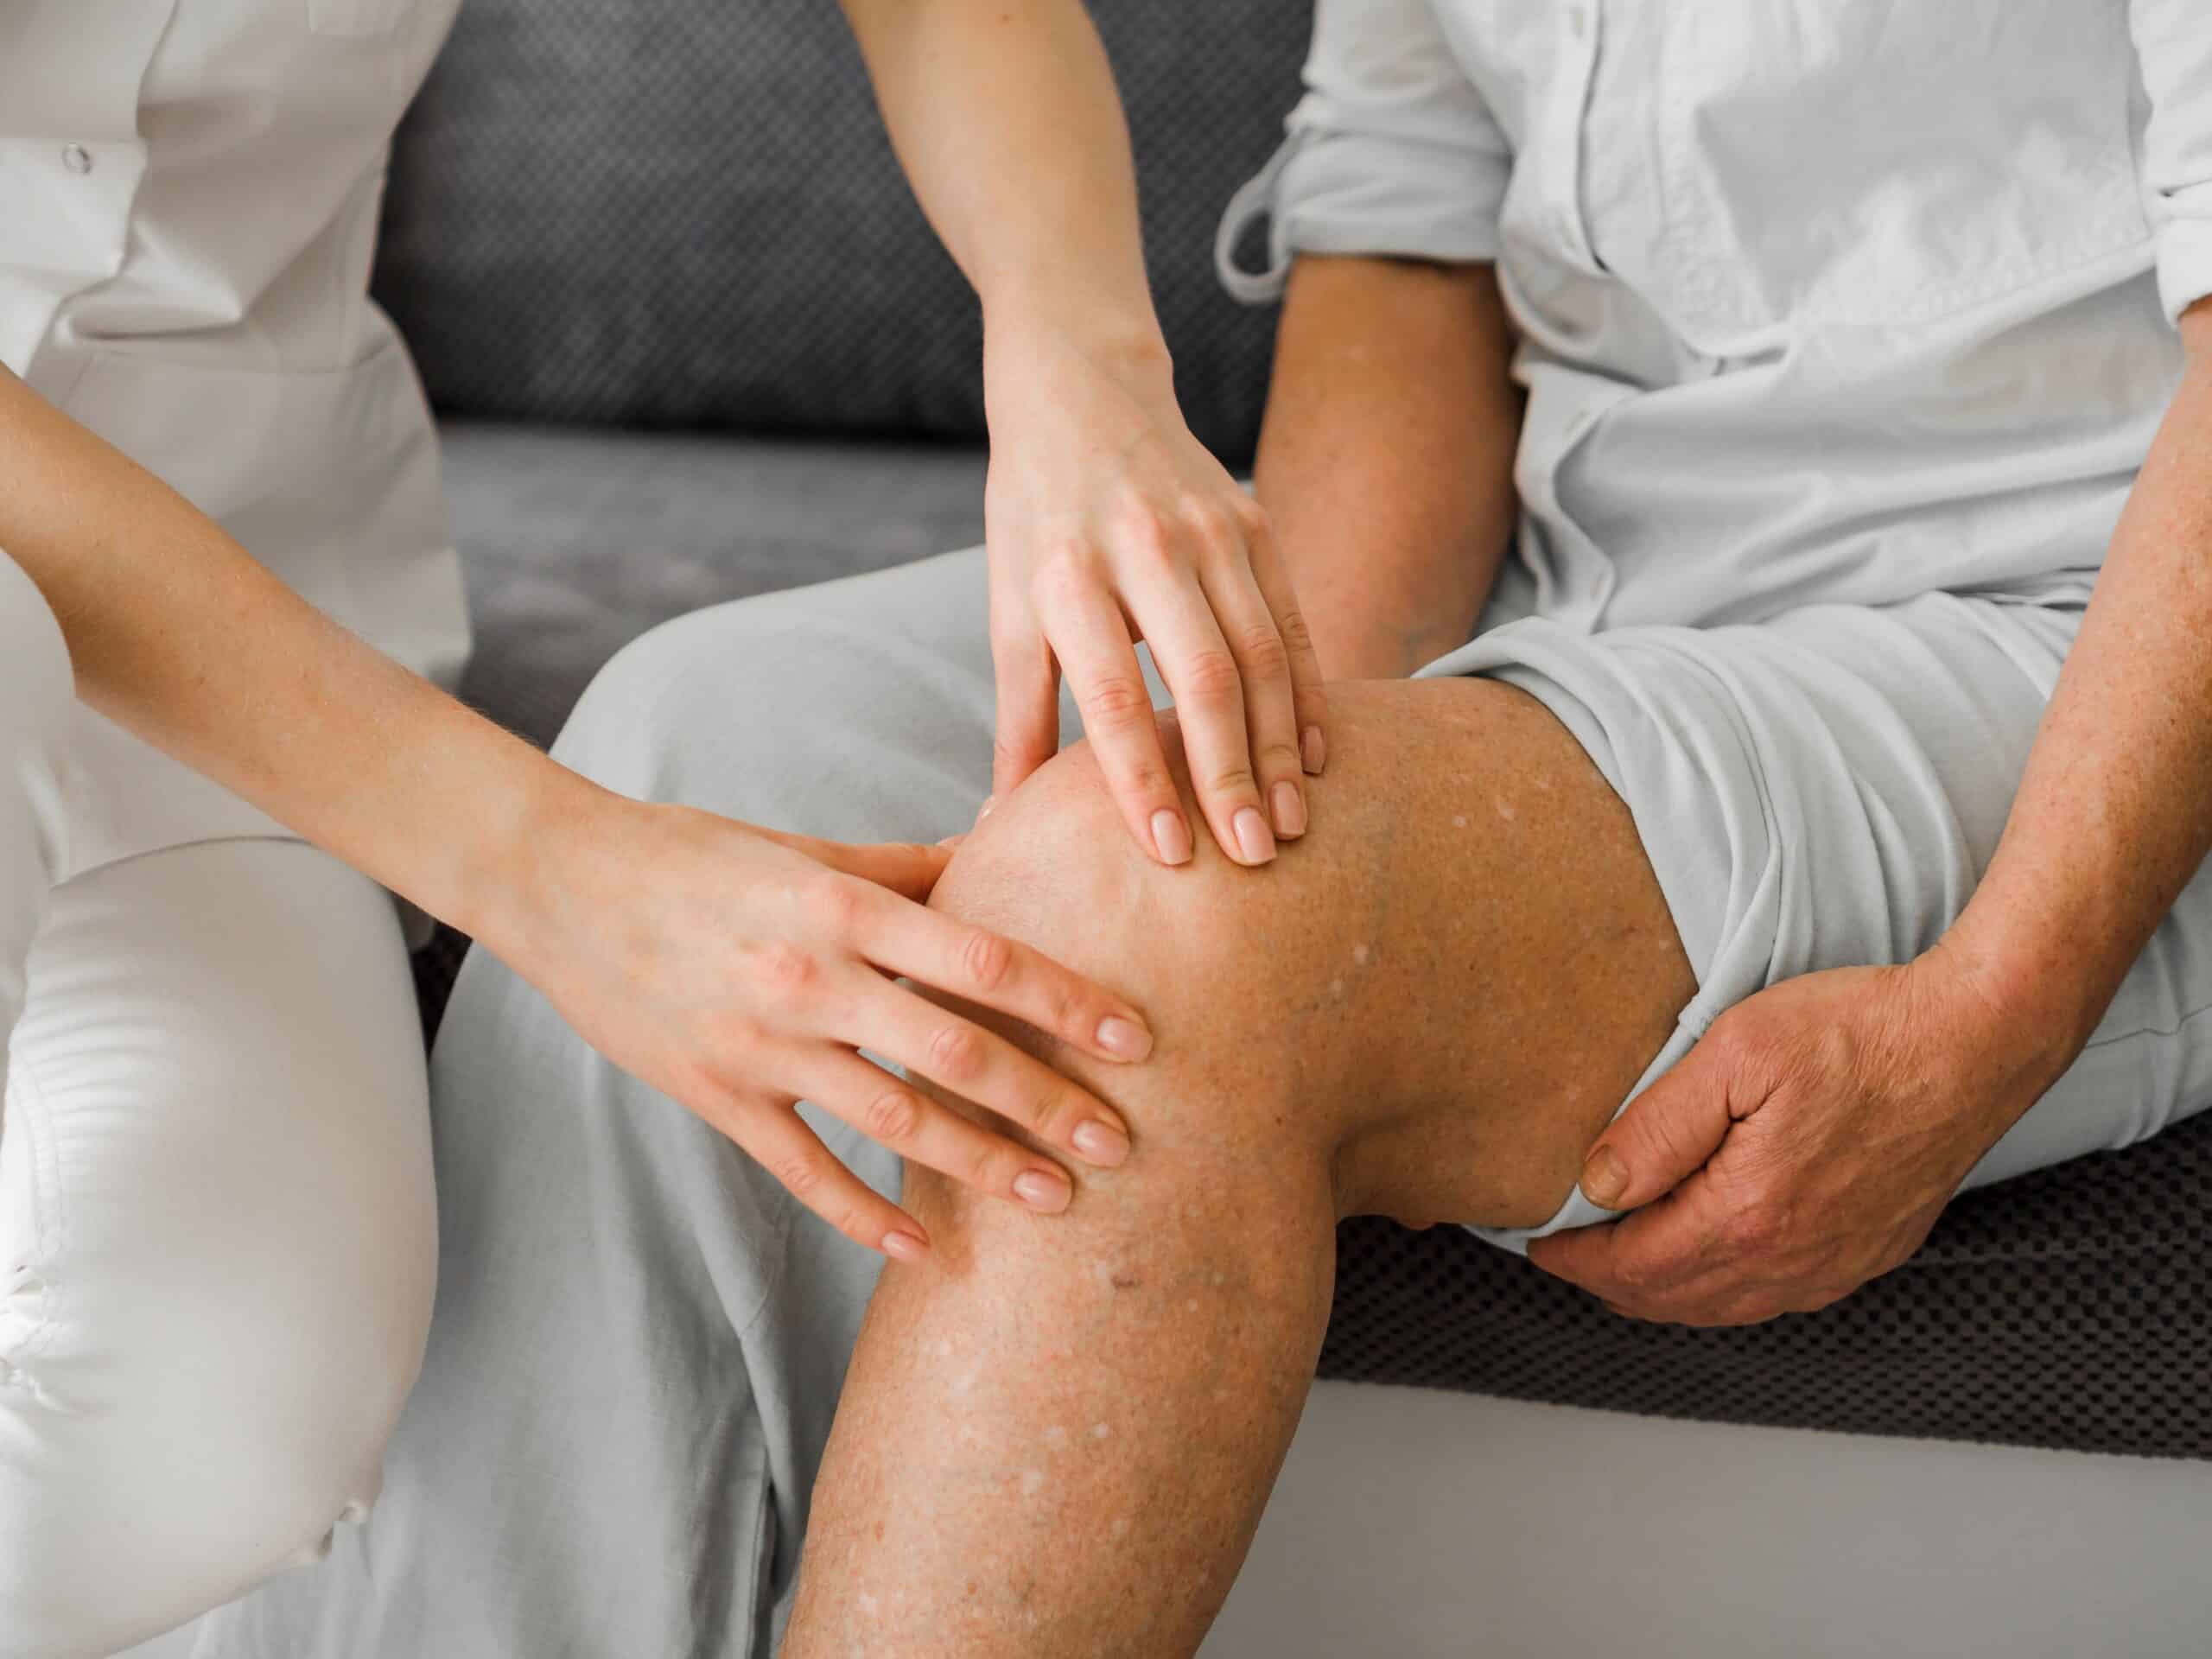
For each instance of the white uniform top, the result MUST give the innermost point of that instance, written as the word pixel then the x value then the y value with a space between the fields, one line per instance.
pixel 188 201
pixel 1819 299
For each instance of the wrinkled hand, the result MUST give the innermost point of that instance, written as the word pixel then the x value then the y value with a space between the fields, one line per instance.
pixel 740 970
pixel 1806 1145
pixel 1108 523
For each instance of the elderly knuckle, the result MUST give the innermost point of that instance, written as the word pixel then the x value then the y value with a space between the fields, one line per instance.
pixel 1754 1229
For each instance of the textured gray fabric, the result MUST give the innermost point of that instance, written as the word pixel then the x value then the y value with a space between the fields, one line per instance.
pixel 575 542
pixel 679 214
pixel 2069 1308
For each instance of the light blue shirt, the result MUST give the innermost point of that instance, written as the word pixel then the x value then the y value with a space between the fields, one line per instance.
pixel 1835 300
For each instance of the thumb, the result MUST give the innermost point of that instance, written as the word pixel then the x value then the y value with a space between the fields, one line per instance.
pixel 907 869
pixel 1663 1136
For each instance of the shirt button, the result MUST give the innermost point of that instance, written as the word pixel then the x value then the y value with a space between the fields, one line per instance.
pixel 77 159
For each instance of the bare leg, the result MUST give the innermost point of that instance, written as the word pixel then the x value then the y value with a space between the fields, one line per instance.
pixel 1057 1435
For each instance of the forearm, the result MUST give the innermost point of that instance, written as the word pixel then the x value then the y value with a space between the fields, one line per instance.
pixel 1007 122
pixel 2114 809
pixel 176 634
pixel 1385 461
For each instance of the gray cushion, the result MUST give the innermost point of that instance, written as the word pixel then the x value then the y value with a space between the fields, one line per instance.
pixel 2070 1308
pixel 672 213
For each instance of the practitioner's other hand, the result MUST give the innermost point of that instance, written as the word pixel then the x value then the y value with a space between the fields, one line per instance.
pixel 1108 524
pixel 1806 1145
pixel 740 970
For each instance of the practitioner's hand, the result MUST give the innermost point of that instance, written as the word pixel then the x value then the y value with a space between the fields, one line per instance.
pixel 1805 1146
pixel 1108 523
pixel 739 970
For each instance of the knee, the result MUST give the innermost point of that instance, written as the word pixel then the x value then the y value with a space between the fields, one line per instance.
pixel 1201 948
pixel 131 1504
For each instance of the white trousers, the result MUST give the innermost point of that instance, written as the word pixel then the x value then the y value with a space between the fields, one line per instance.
pixel 217 1227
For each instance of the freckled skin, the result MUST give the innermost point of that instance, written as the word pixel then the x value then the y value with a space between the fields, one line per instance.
pixel 1398 1016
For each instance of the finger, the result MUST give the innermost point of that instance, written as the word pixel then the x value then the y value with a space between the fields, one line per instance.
pixel 1028 733
pixel 906 869
pixel 995 972
pixel 894 1114
pixel 776 1138
pixel 1270 705
pixel 979 1065
pixel 1662 1136
pixel 1092 643
pixel 1308 693
pixel 1208 686
pixel 1642 1255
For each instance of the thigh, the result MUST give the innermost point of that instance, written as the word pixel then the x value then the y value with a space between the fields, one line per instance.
pixel 1441 991
pixel 859 710
pixel 216 1229
pixel 1825 790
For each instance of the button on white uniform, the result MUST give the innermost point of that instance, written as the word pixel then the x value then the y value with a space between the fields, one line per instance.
pixel 77 159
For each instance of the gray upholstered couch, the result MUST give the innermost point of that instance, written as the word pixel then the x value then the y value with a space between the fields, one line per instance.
pixel 692 341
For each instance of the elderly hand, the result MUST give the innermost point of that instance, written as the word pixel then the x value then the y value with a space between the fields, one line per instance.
pixel 1108 523
pixel 1805 1146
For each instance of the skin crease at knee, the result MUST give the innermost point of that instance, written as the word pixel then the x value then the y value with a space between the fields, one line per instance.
pixel 1058 1432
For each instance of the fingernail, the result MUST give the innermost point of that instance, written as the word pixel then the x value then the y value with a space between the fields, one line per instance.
pixel 1252 837
pixel 905 1246
pixel 1101 1144
pixel 1171 836
pixel 984 811
pixel 1124 1040
pixel 1049 1194
pixel 1316 749
pixel 1290 810
pixel 1604 1179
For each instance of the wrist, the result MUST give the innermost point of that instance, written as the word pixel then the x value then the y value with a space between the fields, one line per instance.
pixel 533 857
pixel 1032 341
pixel 2008 1013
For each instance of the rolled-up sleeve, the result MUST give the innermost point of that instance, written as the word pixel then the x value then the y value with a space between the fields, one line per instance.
pixel 1390 152
pixel 2173 43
